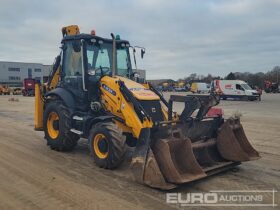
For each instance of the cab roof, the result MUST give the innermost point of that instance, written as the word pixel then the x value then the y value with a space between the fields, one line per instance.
pixel 89 37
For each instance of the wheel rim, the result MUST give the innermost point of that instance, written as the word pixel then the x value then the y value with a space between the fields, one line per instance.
pixel 100 146
pixel 53 130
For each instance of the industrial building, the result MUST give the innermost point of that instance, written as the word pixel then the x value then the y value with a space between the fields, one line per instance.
pixel 13 73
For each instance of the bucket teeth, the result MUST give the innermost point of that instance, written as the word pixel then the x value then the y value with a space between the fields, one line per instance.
pixel 233 144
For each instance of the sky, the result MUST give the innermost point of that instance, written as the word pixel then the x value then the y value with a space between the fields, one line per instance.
pixel 180 36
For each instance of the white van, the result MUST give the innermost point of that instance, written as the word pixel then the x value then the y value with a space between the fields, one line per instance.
pixel 234 89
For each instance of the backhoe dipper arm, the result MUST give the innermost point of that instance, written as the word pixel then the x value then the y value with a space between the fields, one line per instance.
pixel 152 88
pixel 54 75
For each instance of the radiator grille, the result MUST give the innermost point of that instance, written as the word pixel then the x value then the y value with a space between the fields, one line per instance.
pixel 153 109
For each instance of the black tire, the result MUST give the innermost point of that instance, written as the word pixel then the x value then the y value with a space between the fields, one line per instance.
pixel 65 140
pixel 114 143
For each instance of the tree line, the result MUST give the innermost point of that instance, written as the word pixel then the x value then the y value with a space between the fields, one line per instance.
pixel 253 79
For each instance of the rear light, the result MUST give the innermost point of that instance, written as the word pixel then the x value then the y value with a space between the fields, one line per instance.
pixel 215 112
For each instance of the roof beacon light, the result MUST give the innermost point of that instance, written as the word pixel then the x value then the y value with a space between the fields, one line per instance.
pixel 118 37
pixel 92 32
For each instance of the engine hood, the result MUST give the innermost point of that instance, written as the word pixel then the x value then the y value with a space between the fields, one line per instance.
pixel 139 91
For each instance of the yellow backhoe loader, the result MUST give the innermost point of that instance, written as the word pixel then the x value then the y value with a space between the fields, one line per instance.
pixel 92 93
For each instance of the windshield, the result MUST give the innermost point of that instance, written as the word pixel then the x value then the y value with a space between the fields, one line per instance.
pixel 99 56
pixel 123 62
pixel 246 87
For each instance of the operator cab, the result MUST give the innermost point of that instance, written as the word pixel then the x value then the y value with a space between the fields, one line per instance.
pixel 86 58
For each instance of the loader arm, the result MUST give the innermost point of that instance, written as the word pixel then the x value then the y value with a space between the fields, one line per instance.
pixel 118 100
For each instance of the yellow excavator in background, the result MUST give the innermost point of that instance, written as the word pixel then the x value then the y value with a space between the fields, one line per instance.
pixel 91 93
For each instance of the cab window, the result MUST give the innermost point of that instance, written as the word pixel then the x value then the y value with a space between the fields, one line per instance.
pixel 122 62
pixel 72 59
pixel 102 59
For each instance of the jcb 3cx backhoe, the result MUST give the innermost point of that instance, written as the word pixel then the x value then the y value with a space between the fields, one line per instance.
pixel 92 93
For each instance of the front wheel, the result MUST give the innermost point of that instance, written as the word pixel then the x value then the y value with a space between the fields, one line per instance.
pixel 107 145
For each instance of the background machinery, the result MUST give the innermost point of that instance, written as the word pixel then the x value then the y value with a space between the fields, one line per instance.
pixel 28 87
pixel 5 90
pixel 271 87
pixel 91 93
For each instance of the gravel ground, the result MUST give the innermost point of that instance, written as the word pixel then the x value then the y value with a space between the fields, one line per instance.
pixel 35 177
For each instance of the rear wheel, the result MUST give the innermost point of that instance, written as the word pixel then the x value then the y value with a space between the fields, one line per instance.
pixel 57 125
pixel 107 145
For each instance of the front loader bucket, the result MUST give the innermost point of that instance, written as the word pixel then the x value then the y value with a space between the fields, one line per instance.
pixel 233 144
pixel 176 161
pixel 171 162
pixel 166 161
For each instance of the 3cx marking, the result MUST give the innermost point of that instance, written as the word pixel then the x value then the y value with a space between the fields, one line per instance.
pixel 109 89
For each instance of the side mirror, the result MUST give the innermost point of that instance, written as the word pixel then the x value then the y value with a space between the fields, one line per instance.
pixel 142 53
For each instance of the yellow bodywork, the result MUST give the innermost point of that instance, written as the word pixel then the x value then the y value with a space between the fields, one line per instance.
pixel 55 79
pixel 38 113
pixel 70 30
pixel 140 91
pixel 114 102
pixel 39 102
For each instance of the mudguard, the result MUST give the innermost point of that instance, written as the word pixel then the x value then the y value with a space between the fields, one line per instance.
pixel 64 95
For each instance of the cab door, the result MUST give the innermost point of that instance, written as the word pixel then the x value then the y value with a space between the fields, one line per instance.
pixel 72 70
